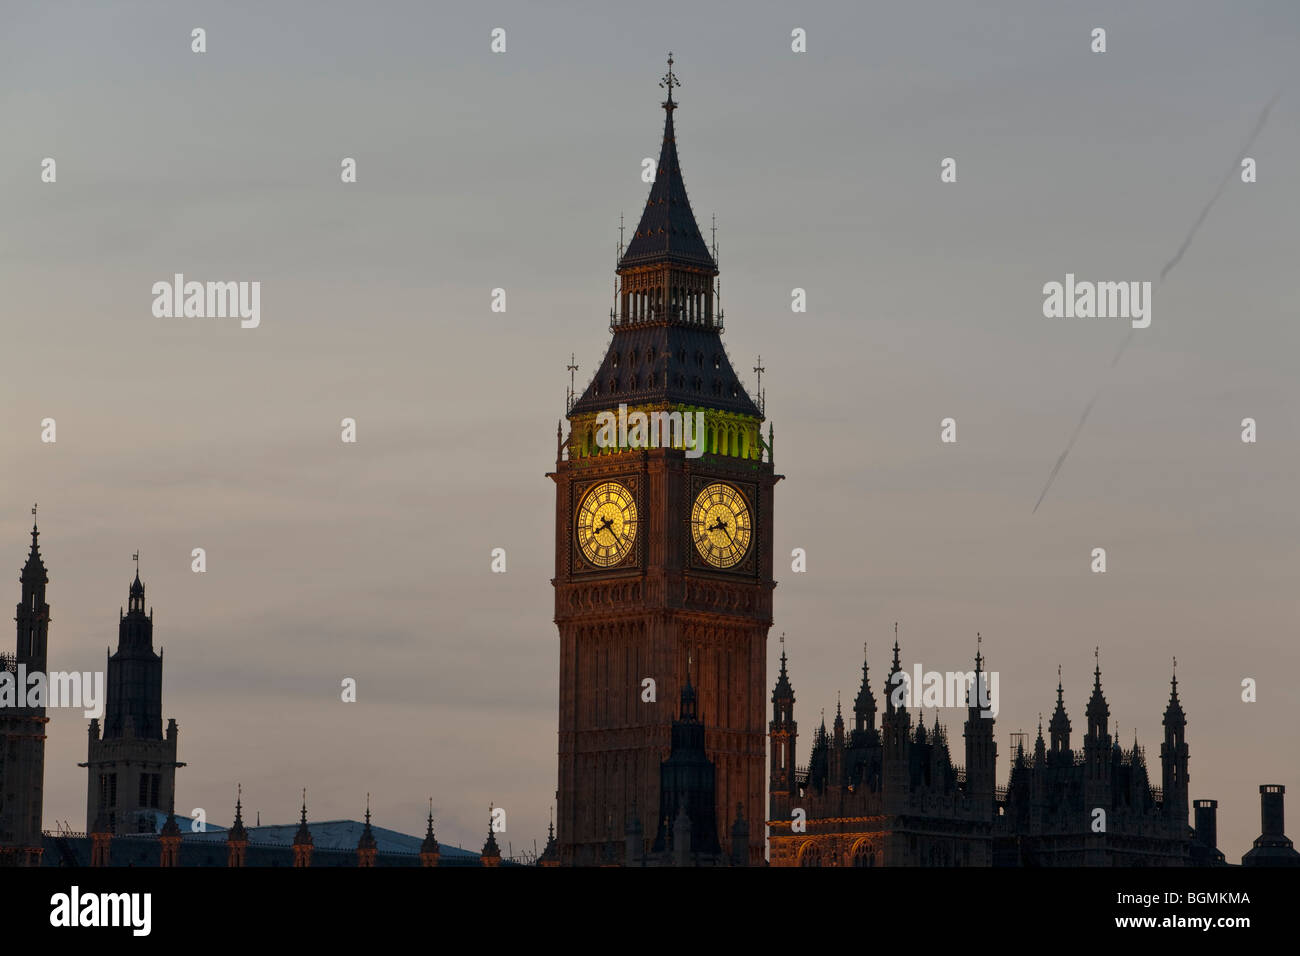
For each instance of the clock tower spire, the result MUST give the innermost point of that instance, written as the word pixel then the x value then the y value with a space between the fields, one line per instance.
pixel 663 561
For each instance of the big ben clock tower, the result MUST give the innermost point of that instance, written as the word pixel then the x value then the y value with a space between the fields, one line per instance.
pixel 663 548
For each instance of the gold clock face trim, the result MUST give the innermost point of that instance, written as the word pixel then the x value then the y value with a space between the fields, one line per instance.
pixel 606 524
pixel 721 525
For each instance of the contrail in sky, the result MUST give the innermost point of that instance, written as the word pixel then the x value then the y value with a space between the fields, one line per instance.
pixel 1187 241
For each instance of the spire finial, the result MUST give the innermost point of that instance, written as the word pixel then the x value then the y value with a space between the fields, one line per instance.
pixel 668 82
pixel 304 805
pixel 33 517
pixel 367 809
pixel 573 367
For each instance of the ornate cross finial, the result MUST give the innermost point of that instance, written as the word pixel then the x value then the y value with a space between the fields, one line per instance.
pixel 136 558
pixel 864 650
pixel 669 80
pixel 33 512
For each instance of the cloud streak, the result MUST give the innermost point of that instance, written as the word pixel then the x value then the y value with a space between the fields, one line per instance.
pixel 1168 267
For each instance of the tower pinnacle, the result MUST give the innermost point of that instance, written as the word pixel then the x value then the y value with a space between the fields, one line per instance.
pixel 668 82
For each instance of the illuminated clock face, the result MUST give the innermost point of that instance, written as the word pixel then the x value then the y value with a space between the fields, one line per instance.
pixel 721 525
pixel 607 524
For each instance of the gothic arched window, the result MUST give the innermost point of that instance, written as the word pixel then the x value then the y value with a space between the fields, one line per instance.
pixel 864 854
pixel 810 855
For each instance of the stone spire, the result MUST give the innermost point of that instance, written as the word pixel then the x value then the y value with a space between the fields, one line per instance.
pixel 491 855
pixel 429 851
pixel 1098 711
pixel 864 706
pixel 1059 726
pixel 302 841
pixel 668 231
pixel 237 836
pixel 367 846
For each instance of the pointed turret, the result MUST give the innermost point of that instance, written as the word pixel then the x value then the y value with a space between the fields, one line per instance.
pixel 1174 756
pixel 302 841
pixel 1059 725
pixel 33 614
pixel 237 836
pixel 864 705
pixel 429 852
pixel 1098 711
pixel 896 684
pixel 367 846
pixel 981 750
pixel 551 852
pixel 491 855
pixel 688 782
pixel 34 570
pixel 783 734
